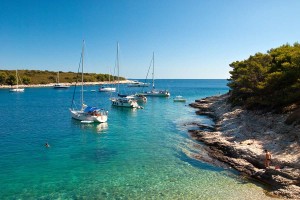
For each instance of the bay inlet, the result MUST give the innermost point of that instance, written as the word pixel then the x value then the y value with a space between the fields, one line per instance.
pixel 137 154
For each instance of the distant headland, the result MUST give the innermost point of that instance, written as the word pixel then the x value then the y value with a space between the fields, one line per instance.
pixel 38 78
pixel 67 84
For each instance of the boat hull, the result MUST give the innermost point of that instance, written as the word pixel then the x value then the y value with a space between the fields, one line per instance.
pixel 179 100
pixel 121 102
pixel 60 86
pixel 107 89
pixel 157 94
pixel 17 90
pixel 138 85
pixel 140 98
pixel 83 116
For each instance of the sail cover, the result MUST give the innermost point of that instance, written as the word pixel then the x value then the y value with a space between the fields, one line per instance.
pixel 90 109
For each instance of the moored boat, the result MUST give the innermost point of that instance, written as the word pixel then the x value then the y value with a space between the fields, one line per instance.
pixel 123 100
pixel 136 83
pixel 154 92
pixel 107 89
pixel 87 114
pixel 157 93
pixel 59 85
pixel 17 89
pixel 140 98
pixel 179 99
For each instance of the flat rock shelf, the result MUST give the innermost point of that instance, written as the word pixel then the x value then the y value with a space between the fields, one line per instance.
pixel 239 137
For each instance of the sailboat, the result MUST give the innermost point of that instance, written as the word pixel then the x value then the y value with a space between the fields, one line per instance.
pixel 17 89
pixel 87 114
pixel 154 92
pixel 136 83
pixel 123 100
pixel 107 88
pixel 59 85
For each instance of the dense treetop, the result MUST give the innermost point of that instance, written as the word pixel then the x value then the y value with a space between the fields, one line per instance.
pixel 8 77
pixel 270 80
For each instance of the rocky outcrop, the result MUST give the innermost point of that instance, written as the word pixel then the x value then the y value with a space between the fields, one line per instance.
pixel 293 118
pixel 239 138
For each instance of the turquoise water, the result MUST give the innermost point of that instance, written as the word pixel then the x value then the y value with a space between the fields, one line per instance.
pixel 138 154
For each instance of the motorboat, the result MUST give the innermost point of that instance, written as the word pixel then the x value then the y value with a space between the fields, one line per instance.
pixel 140 98
pixel 157 93
pixel 179 99
pixel 60 86
pixel 136 83
pixel 125 101
pixel 107 89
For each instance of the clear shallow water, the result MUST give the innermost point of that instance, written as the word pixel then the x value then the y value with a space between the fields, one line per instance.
pixel 138 154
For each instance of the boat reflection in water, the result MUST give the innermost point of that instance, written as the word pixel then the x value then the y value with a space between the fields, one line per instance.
pixel 94 127
pixel 101 127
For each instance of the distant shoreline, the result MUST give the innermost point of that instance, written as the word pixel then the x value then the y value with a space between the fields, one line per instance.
pixel 67 84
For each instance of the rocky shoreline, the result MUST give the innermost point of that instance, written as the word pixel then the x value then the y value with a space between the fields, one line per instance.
pixel 239 138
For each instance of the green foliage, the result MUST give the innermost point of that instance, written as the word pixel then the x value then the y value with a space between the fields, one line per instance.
pixel 26 80
pixel 11 80
pixel 52 78
pixel 3 77
pixel 270 80
pixel 7 77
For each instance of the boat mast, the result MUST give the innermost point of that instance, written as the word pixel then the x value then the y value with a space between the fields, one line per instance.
pixel 118 67
pixel 17 79
pixel 109 76
pixel 82 54
pixel 153 72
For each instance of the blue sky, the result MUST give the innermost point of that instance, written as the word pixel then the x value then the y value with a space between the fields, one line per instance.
pixel 191 39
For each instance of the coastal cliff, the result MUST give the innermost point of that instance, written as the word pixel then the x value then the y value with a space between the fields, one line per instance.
pixel 239 138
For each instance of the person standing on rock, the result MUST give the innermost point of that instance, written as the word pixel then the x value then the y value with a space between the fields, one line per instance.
pixel 268 158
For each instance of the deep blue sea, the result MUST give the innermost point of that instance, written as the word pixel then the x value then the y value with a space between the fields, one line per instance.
pixel 137 154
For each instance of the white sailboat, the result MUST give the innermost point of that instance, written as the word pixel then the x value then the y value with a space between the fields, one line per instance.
pixel 105 88
pixel 136 83
pixel 140 98
pixel 17 89
pixel 123 100
pixel 59 85
pixel 154 92
pixel 87 114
